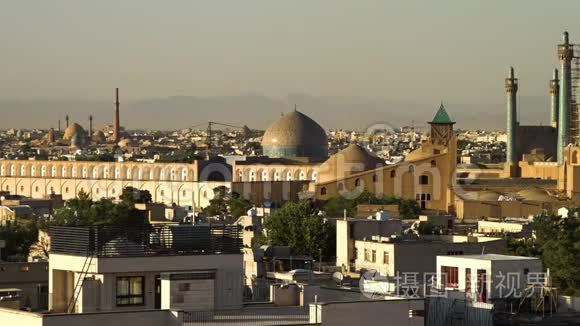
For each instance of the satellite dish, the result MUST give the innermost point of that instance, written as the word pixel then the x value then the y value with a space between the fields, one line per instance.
pixel 338 277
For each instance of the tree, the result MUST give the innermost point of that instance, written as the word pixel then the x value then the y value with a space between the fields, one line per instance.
pixel 408 208
pixel 557 243
pixel 132 196
pixel 19 237
pixel 299 226
pixel 225 202
pixel 82 211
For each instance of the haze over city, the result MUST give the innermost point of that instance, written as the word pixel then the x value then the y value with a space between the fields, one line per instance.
pixel 249 61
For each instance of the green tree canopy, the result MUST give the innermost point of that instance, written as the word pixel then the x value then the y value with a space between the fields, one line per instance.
pixel 408 208
pixel 299 226
pixel 225 202
pixel 557 243
pixel 83 211
pixel 132 196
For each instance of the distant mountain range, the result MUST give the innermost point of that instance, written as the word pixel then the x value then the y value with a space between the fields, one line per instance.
pixel 259 111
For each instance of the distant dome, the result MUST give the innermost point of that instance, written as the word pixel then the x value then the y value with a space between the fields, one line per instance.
pixel 295 135
pixel 99 136
pixel 352 159
pixel 73 129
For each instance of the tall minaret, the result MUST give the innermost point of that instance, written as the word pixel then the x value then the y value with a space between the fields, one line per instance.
pixel 117 131
pixel 511 90
pixel 565 53
pixel 554 98
pixel 66 119
pixel 91 125
pixel 58 125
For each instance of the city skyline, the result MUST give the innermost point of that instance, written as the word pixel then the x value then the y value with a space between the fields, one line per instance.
pixel 380 59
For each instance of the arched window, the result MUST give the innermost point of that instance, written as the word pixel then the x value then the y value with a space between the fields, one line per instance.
pixel 289 176
pixel 433 163
pixel 357 183
pixel 66 190
pixel 411 168
pixel 36 189
pixel 340 186
pixel 21 188
pixel 393 173
pixel 375 178
pixel 323 191
pixel 113 191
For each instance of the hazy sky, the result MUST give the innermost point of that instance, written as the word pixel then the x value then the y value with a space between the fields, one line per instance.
pixel 420 51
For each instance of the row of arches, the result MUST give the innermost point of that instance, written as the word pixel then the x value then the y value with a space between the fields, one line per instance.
pixel 92 170
pixel 181 193
pixel 275 174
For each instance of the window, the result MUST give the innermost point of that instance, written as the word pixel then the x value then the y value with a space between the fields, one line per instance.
pixel 340 187
pixel 367 257
pixel 375 178
pixel 393 173
pixel 323 191
pixel 374 256
pixel 411 168
pixel 357 183
pixel 436 151
pixel 386 257
pixel 356 253
pixel 450 276
pixel 130 291
pixel 424 180
pixel 468 280
pixel 526 271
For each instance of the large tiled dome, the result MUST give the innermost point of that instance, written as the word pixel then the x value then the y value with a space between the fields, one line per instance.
pixel 295 135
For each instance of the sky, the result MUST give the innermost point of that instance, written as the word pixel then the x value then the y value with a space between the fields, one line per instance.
pixel 67 56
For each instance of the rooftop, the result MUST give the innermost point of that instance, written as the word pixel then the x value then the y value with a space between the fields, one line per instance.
pixel 146 240
pixel 493 257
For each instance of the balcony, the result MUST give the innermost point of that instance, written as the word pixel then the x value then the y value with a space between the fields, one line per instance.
pixel 145 241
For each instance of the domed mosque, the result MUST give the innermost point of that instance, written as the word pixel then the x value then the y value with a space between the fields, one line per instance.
pixel 295 135
pixel 76 135
pixel 293 147
pixel 352 159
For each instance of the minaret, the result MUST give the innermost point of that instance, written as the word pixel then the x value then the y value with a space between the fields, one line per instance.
pixel 90 125
pixel 59 125
pixel 511 91
pixel 117 131
pixel 565 53
pixel 554 98
pixel 66 119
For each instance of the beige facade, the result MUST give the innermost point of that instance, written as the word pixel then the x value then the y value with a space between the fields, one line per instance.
pixel 418 256
pixel 168 183
pixel 490 271
pixel 274 170
pixel 350 230
pixel 99 292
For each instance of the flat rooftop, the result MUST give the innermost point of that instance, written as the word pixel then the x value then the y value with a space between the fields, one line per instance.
pixel 493 257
